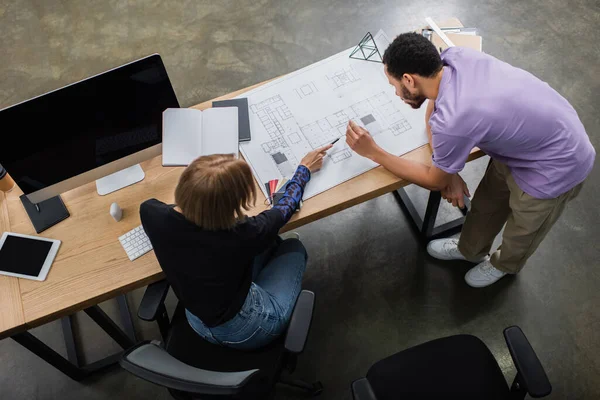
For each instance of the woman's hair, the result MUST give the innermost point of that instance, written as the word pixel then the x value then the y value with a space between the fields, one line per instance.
pixel 214 190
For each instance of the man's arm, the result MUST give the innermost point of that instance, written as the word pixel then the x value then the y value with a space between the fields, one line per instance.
pixel 457 188
pixel 429 177
pixel 428 112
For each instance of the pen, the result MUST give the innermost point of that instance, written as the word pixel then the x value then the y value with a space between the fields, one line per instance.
pixel 336 140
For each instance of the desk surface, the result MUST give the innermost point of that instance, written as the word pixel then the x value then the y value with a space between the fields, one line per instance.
pixel 11 311
pixel 91 265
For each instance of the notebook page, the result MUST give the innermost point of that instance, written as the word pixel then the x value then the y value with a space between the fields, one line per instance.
pixel 182 128
pixel 220 131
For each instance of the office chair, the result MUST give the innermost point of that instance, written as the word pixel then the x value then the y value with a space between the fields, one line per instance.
pixel 455 367
pixel 192 368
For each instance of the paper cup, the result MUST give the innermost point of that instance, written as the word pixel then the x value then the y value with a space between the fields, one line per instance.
pixel 6 183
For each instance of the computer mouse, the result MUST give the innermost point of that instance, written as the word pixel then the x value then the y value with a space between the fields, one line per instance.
pixel 116 212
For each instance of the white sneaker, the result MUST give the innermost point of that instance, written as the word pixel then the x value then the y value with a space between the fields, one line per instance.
pixel 446 249
pixel 290 235
pixel 482 275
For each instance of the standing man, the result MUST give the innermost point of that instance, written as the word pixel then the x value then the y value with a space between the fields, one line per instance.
pixel 540 152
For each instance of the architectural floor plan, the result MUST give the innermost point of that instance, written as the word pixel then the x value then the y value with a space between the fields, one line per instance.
pixel 311 107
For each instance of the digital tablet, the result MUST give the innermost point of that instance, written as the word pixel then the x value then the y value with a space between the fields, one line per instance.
pixel 25 256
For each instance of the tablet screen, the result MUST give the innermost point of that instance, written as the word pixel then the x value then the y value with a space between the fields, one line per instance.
pixel 23 255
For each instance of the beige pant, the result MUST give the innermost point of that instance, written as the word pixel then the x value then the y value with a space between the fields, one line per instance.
pixel 499 200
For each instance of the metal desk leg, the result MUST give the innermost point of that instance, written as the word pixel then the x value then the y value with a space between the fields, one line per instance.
pixel 109 326
pixel 70 344
pixel 126 317
pixel 426 226
pixel 72 367
pixel 41 350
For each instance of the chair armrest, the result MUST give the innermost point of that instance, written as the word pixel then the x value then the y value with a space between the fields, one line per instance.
pixel 299 327
pixel 362 390
pixel 531 373
pixel 152 303
pixel 151 362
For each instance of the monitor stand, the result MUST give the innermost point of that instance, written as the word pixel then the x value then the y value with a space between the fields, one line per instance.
pixel 120 179
pixel 46 213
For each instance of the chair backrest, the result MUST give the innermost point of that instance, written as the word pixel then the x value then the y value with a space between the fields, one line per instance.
pixel 362 390
pixel 151 362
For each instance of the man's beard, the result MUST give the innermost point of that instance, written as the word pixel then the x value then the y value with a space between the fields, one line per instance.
pixel 415 101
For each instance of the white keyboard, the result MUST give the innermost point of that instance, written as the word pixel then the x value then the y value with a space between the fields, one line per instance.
pixel 136 243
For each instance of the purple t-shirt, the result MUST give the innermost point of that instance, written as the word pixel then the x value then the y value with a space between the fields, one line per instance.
pixel 512 116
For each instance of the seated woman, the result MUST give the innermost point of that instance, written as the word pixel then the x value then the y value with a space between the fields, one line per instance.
pixel 237 279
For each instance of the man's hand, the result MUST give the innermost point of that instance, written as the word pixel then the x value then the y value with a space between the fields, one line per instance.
pixel 454 193
pixel 360 140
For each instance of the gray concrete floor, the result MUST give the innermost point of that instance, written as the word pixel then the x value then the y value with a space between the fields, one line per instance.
pixel 378 292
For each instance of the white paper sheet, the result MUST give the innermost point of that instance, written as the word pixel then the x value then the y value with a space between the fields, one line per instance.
pixel 311 107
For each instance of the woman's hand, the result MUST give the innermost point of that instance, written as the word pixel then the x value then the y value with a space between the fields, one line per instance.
pixel 314 160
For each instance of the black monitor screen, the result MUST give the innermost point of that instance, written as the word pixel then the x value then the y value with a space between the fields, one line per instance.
pixel 85 125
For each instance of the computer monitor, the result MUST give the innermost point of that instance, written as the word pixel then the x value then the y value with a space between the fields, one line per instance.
pixel 87 130
pixel 99 129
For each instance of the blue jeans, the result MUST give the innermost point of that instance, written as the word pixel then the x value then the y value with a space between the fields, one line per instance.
pixel 276 284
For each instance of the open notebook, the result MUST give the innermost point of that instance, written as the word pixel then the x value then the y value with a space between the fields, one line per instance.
pixel 189 134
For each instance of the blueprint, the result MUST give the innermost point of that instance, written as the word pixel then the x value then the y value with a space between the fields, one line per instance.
pixel 311 107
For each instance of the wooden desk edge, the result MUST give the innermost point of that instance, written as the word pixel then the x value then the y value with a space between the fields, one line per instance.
pixel 13 330
pixel 10 292
pixel 4 217
pixel 76 307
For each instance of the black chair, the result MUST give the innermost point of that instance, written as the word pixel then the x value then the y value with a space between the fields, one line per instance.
pixel 455 367
pixel 192 368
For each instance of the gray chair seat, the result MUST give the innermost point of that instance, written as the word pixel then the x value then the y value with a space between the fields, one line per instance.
pixel 192 368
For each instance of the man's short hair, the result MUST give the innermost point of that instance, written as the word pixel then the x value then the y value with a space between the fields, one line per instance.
pixel 412 53
pixel 214 191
